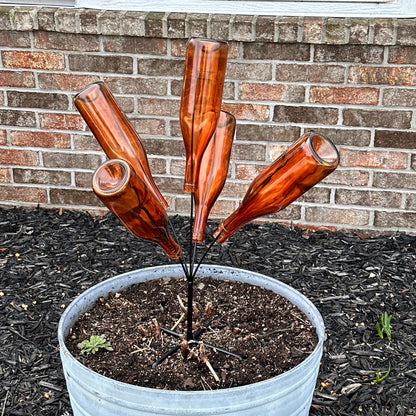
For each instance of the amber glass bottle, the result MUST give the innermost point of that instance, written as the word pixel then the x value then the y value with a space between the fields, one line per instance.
pixel 302 166
pixel 202 87
pixel 129 198
pixel 213 172
pixel 114 132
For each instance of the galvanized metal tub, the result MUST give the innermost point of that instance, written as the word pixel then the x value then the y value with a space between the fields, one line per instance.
pixel 91 394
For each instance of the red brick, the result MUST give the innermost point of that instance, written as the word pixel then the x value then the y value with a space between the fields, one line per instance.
pixel 135 45
pixel 73 197
pixel 265 28
pixel 327 215
pixel 160 146
pixel 83 179
pixel 177 167
pixel 354 177
pixel 88 20
pixel 395 219
pixel 310 73
pixel 137 86
pixel 101 63
pixel 46 18
pixel 276 51
pixel 2 137
pixel 410 202
pixel 33 60
pixel 66 41
pixel 71 160
pixel 24 18
pixel 62 121
pixel 110 22
pixel 317 195
pixel 155 126
pixel 248 111
pixel 220 26
pixel 406 32
pixel 169 185
pixel 31 99
pixel 312 29
pixel 17 118
pixel 288 28
pixel 255 71
pixel 247 172
pixel 382 75
pixel 39 176
pixel 402 97
pixel 133 24
pixel 395 139
pixel 290 213
pixel 154 24
pixel 243 28
pixel 349 53
pixel 17 79
pixel 344 95
pixel 359 30
pixel 394 180
pixel 374 159
pixel 66 19
pixel 12 39
pixel 368 198
pixel 234 189
pixel 5 19
pixel 276 150
pixel 22 194
pixel 384 32
pixel 159 107
pixel 402 55
pixel 197 24
pixel 304 114
pixel 86 142
pixel 269 133
pixel 336 31
pixel 176 25
pixel 5 175
pixel 243 151
pixel 40 139
pixel 223 207
pixel 157 165
pixel 65 82
pixel 347 137
pixel 377 118
pixel 271 92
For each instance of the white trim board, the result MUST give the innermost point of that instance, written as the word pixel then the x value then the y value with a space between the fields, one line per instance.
pixel 338 8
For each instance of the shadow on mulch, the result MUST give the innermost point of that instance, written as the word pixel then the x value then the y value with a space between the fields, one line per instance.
pixel 47 258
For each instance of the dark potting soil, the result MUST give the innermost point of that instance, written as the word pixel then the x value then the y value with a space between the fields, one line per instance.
pixel 48 257
pixel 269 333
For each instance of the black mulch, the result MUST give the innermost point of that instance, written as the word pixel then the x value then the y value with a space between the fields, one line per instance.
pixel 48 257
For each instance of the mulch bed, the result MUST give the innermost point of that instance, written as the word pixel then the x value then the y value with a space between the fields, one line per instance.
pixel 49 257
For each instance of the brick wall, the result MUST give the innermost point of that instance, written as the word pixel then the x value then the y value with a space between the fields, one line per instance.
pixel 351 79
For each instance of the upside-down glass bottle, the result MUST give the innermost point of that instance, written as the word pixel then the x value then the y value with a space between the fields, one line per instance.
pixel 114 131
pixel 128 197
pixel 201 98
pixel 212 173
pixel 303 165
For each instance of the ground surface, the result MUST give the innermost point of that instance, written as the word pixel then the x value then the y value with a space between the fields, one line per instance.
pixel 47 258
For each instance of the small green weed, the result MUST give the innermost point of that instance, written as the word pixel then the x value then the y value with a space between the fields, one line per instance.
pixel 92 345
pixel 379 377
pixel 383 327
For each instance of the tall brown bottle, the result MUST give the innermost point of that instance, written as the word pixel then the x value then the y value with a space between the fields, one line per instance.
pixel 213 172
pixel 302 166
pixel 114 132
pixel 201 100
pixel 128 197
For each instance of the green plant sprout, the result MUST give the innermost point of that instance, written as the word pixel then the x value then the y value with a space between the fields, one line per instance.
pixel 379 377
pixel 92 345
pixel 384 326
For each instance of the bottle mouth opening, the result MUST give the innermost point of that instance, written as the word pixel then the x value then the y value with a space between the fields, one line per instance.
pixel 324 150
pixel 90 92
pixel 111 177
